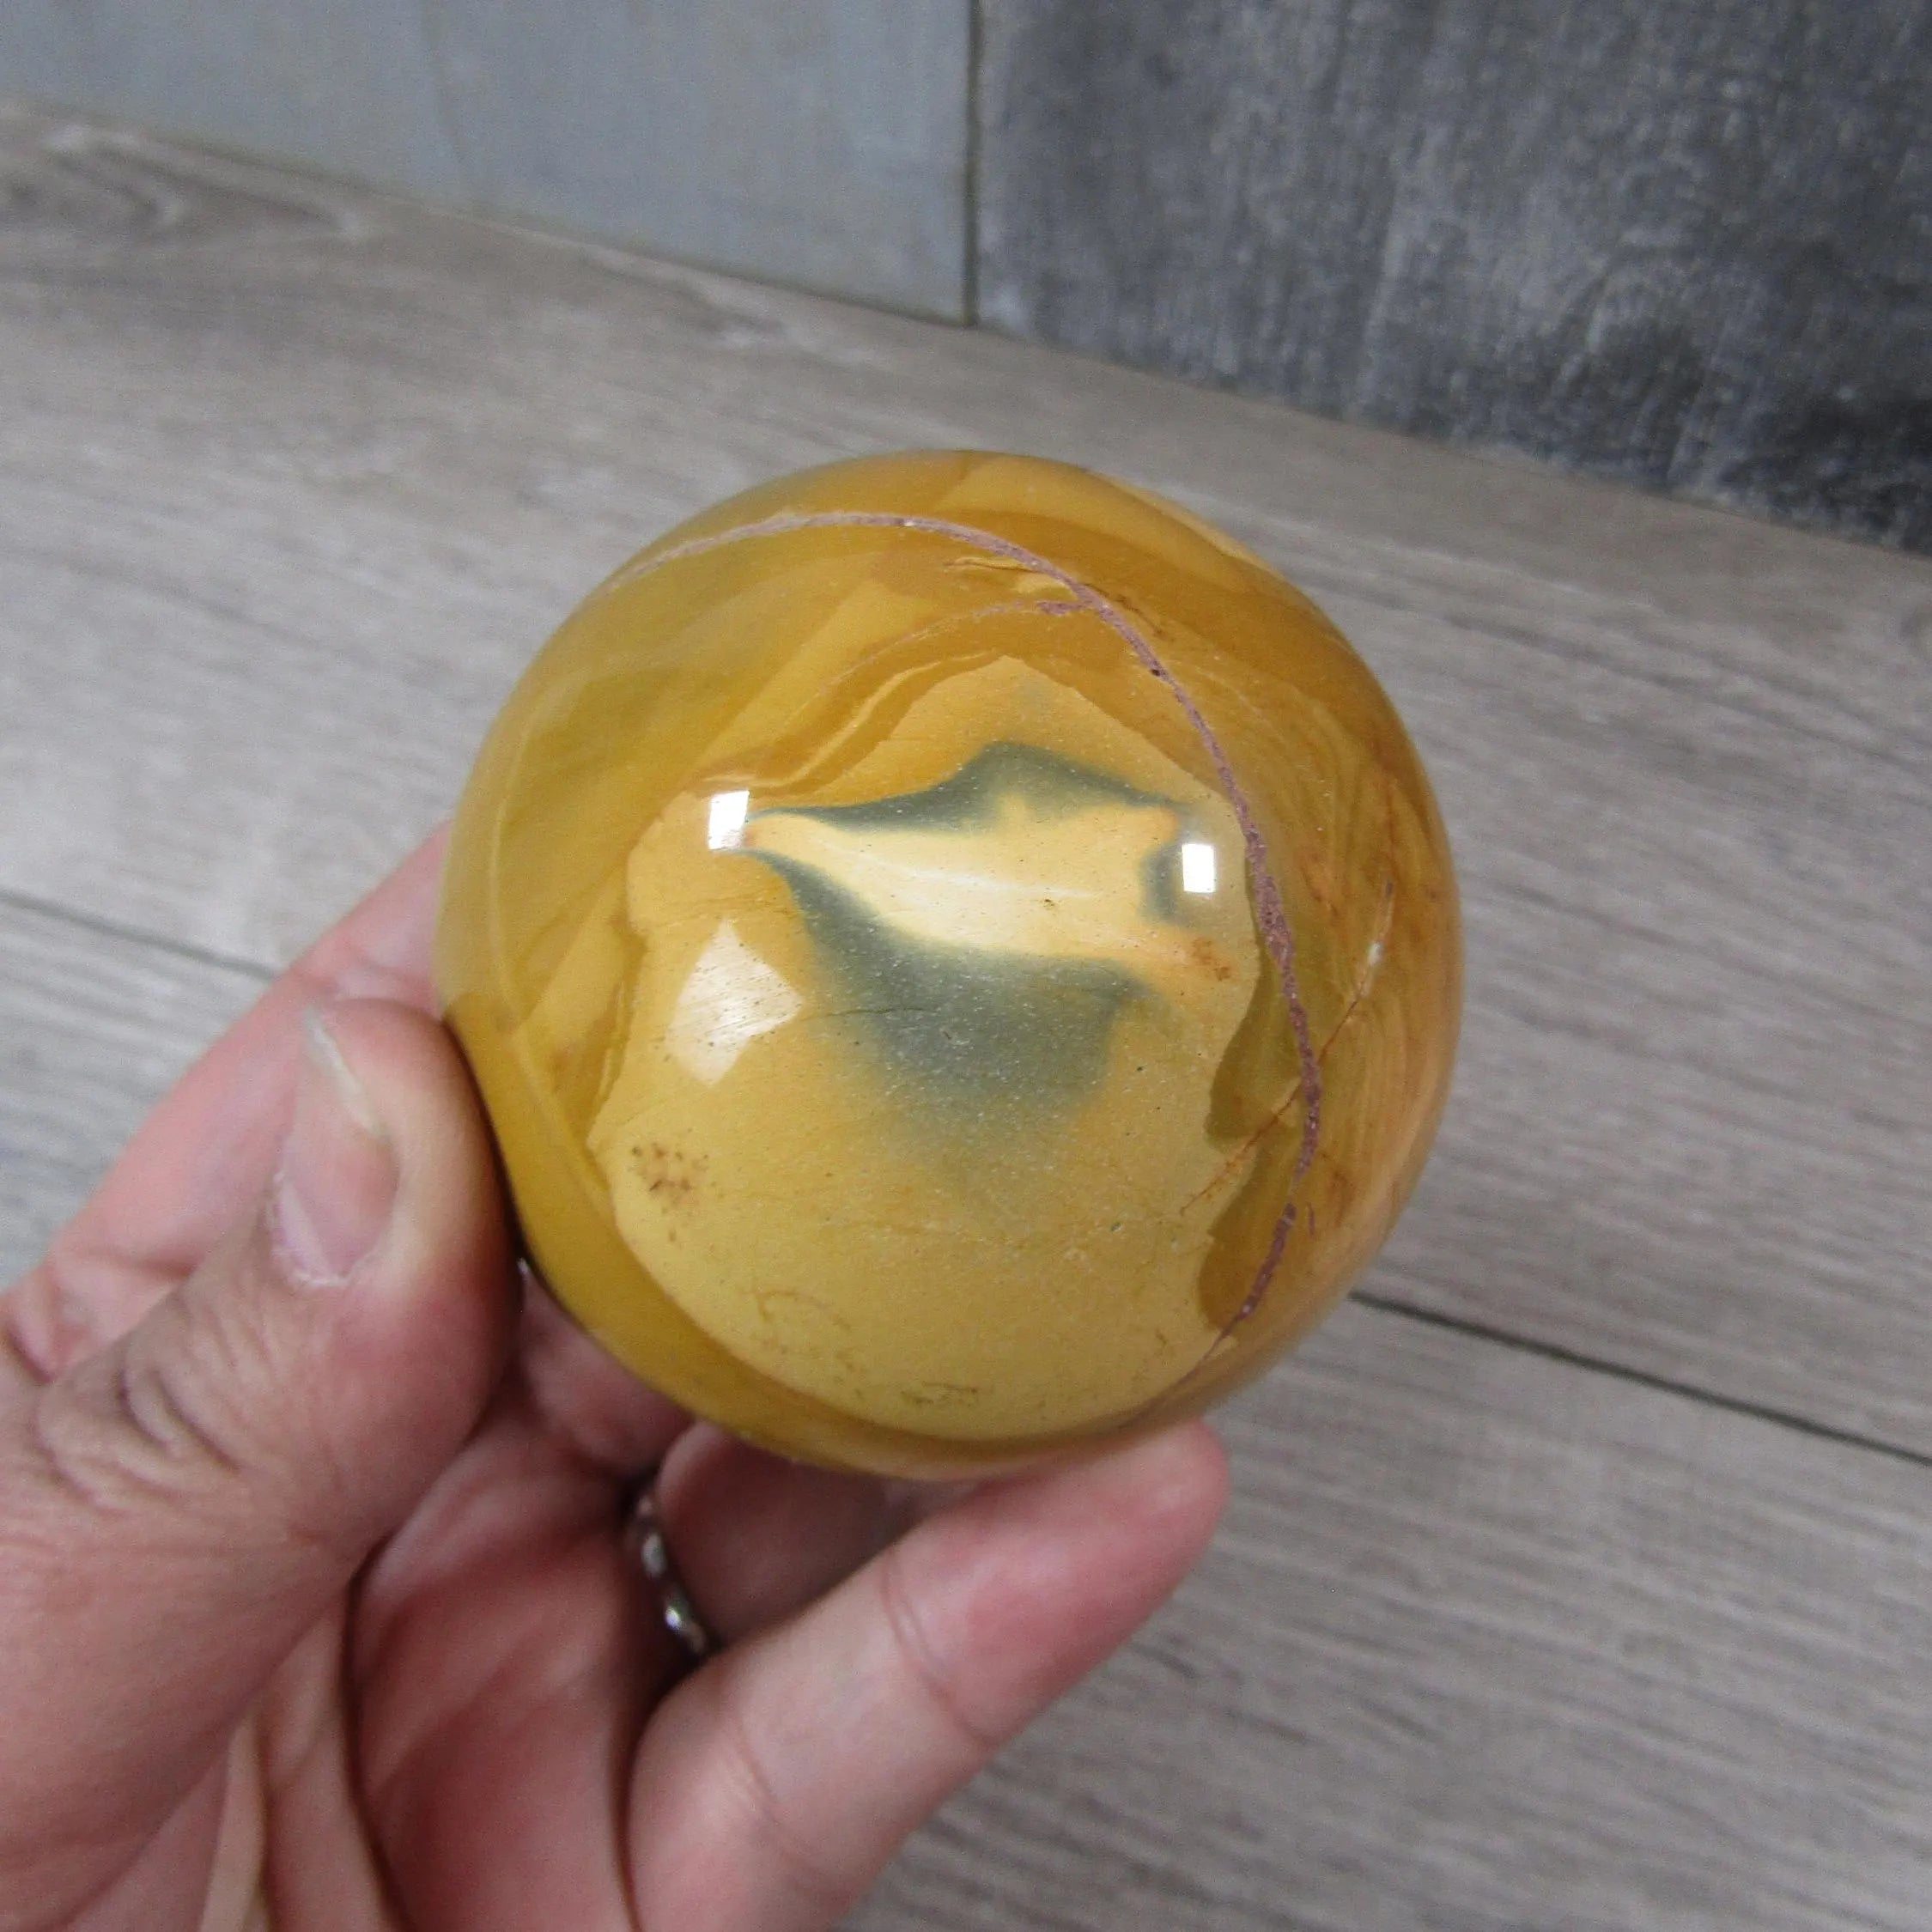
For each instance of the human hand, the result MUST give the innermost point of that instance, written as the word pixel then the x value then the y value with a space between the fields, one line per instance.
pixel 314 1607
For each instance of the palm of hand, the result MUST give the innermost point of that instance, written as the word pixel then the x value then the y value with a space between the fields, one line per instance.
pixel 466 1734
pixel 322 1618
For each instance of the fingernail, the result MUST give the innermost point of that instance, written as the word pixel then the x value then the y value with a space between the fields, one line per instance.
pixel 336 1185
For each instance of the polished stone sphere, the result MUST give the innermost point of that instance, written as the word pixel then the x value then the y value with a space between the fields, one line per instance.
pixel 961 958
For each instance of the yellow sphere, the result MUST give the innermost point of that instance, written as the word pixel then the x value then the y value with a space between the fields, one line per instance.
pixel 962 959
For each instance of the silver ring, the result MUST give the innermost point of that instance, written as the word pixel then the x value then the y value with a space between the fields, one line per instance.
pixel 644 1538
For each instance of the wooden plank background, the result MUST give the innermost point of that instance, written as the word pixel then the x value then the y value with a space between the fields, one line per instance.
pixel 1579 1571
pixel 1687 246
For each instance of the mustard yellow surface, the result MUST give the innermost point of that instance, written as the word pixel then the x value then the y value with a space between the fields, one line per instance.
pixel 961 959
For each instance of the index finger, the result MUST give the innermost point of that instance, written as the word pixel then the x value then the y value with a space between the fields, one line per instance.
pixel 772 1785
pixel 210 1147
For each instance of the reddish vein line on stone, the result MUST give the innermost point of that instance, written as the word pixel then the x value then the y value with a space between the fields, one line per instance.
pixel 1276 936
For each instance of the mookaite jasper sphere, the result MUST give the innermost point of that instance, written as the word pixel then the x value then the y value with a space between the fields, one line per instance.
pixel 961 959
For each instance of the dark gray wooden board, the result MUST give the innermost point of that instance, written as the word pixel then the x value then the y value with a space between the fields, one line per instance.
pixel 1686 246
pixel 825 145
pixel 295 479
pixel 1488 1640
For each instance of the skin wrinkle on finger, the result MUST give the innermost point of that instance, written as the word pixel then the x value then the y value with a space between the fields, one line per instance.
pixel 592 1406
pixel 515 1530
pixel 305 1755
pixel 160 1425
pixel 237 1874
pixel 20 1376
pixel 126 1440
pixel 511 1483
pixel 755 1537
pixel 69 1306
pixel 824 1894
pixel 680 1832
pixel 167 1869
pixel 923 1666
pixel 542 1700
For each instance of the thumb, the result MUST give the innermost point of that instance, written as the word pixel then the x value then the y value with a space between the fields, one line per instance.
pixel 176 1510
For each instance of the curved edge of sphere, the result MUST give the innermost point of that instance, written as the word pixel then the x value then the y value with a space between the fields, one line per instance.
pixel 1324 1105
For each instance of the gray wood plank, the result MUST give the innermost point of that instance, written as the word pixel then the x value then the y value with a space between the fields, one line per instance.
pixel 1488 1639
pixel 1690 246
pixel 95 1027
pixel 349 85
pixel 823 145
pixel 295 480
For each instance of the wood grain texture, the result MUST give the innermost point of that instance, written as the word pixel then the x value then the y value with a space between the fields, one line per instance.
pixel 295 481
pixel 822 145
pixel 1687 246
pixel 1488 1640
pixel 349 85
